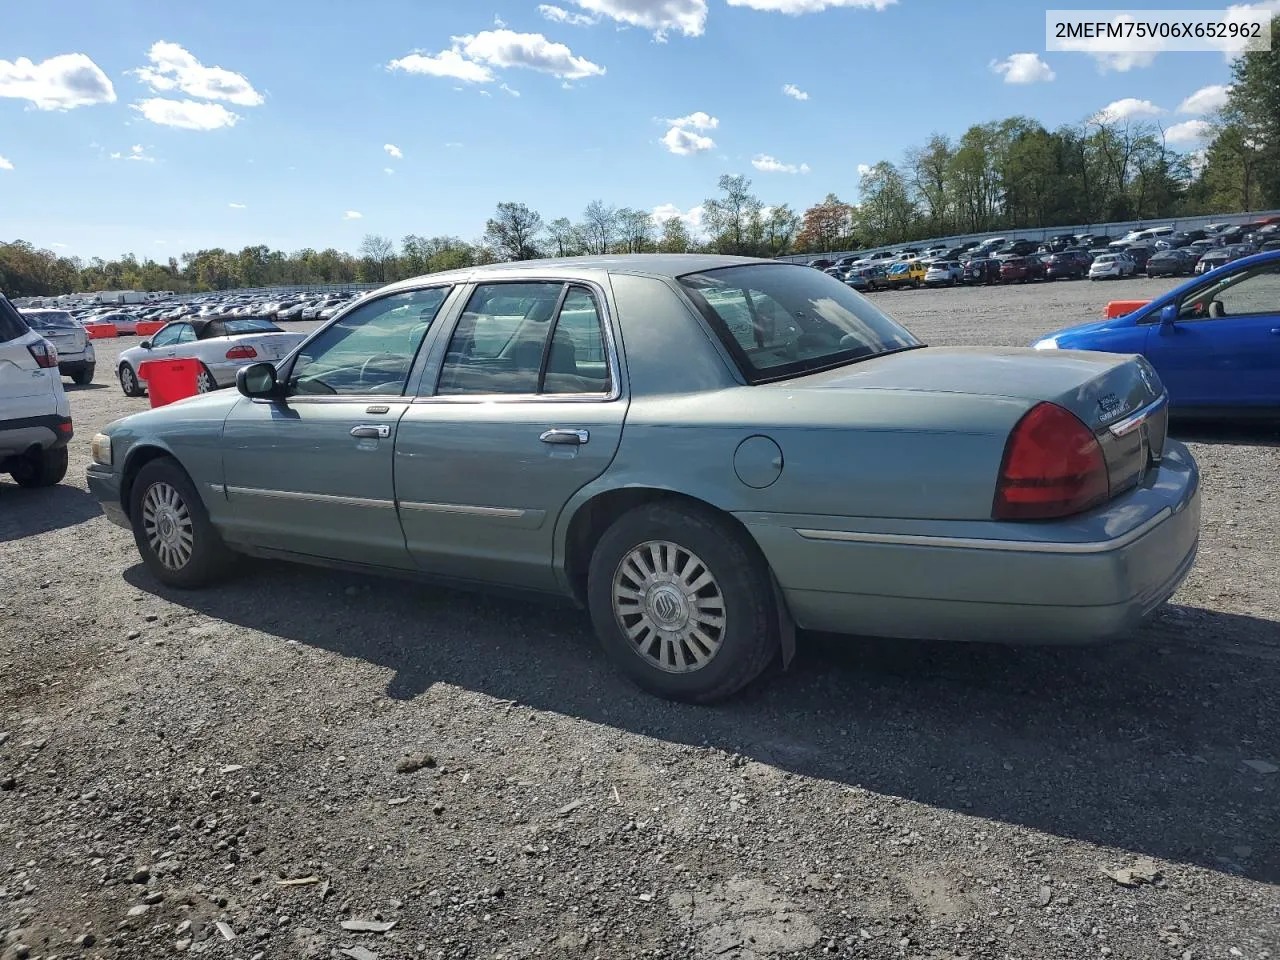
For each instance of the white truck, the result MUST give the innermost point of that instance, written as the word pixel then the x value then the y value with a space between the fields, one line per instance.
pixel 116 297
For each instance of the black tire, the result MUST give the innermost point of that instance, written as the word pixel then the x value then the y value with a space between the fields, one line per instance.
pixel 43 469
pixel 208 559
pixel 84 376
pixel 201 386
pixel 129 381
pixel 748 639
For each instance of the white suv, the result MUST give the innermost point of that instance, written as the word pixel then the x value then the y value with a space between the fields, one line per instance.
pixel 35 416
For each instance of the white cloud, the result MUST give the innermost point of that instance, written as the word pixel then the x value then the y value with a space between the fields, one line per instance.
pixel 560 15
pixel 59 83
pixel 388 171
pixel 511 90
pixel 236 206
pixel 683 143
pixel 1127 109
pixel 1111 59
pixel 791 90
pixel 1124 62
pixel 448 63
pixel 1232 47
pixel 472 57
pixel 59 246
pixel 688 17
pixel 186 114
pixel 136 152
pixel 175 68
pixel 669 211
pixel 533 51
pixel 864 169
pixel 1206 99
pixel 393 151
pixel 797 7
pixel 5 164
pixel 1189 131
pixel 352 215
pixel 697 120
pixel 498 21
pixel 452 146
pixel 1023 68
pixel 767 164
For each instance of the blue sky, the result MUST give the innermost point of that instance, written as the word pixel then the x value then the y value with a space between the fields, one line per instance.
pixel 117 134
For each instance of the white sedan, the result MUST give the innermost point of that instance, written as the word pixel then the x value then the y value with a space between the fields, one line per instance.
pixel 222 346
pixel 1113 265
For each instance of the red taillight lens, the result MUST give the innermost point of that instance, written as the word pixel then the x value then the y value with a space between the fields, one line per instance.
pixel 1052 467
pixel 243 352
pixel 44 353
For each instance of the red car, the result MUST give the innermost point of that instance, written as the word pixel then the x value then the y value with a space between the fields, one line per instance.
pixel 1021 269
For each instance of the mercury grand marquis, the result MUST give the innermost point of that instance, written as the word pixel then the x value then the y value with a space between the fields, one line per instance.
pixel 705 453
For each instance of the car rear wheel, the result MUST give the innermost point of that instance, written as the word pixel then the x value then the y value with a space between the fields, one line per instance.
pixel 682 603
pixel 204 380
pixel 172 530
pixel 83 377
pixel 129 381
pixel 41 469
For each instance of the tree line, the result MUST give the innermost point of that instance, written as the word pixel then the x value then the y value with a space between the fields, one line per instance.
pixel 1003 175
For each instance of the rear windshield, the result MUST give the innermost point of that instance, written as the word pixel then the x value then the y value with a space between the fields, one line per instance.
pixel 780 320
pixel 12 326
pixel 249 325
pixel 48 319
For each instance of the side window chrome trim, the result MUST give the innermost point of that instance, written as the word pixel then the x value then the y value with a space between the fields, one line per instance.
pixel 610 350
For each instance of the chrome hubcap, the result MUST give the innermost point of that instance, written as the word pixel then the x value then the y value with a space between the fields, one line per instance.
pixel 166 523
pixel 669 606
pixel 126 378
pixel 204 383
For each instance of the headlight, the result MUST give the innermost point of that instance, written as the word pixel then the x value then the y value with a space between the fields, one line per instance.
pixel 102 449
pixel 1048 343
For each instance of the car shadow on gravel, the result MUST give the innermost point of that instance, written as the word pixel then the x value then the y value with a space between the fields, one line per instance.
pixel 1247 433
pixel 28 513
pixel 1137 745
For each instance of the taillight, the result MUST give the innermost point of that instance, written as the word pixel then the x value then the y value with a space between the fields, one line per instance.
pixel 242 352
pixel 1052 467
pixel 44 353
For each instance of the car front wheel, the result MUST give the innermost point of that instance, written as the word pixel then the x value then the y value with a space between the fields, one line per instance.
pixel 172 530
pixel 129 381
pixel 682 602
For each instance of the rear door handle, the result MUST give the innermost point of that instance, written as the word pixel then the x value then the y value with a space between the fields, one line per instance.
pixel 374 430
pixel 575 437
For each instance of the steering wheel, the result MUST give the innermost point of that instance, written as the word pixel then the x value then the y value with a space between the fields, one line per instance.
pixel 379 356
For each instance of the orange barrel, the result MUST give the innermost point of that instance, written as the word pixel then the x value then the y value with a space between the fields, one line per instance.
pixel 101 331
pixel 1118 308
pixel 147 327
pixel 169 380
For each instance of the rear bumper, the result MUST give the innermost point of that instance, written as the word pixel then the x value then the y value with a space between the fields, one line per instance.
pixel 1084 580
pixel 44 432
pixel 70 368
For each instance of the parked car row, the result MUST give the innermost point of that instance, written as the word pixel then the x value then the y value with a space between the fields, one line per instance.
pixel 219 306
pixel 1154 252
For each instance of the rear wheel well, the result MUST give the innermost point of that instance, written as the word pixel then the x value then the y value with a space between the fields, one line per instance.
pixel 137 460
pixel 595 516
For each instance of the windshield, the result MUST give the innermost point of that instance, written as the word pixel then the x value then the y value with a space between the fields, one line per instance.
pixel 49 319
pixel 779 320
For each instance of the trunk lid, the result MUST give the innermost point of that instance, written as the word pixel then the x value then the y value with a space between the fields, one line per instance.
pixel 269 346
pixel 1118 397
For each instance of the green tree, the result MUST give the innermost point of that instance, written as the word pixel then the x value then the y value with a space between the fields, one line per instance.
pixel 727 218
pixel 513 231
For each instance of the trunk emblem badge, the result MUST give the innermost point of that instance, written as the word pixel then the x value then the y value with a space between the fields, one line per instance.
pixel 1109 406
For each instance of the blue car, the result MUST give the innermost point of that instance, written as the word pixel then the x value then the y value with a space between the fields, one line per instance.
pixel 1215 340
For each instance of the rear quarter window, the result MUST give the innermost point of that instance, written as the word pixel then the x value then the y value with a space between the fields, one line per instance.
pixel 12 326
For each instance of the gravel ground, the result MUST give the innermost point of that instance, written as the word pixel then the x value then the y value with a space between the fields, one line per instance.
pixel 312 764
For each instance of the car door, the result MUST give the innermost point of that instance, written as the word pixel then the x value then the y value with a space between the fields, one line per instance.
pixel 526 407
pixel 311 472
pixel 1224 347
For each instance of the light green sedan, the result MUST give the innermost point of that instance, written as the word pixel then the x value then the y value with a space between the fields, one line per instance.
pixel 704 452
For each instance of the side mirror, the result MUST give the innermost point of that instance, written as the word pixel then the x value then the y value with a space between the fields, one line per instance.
pixel 1168 314
pixel 145 344
pixel 257 380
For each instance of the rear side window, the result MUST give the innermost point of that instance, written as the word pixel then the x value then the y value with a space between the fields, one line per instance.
pixel 12 326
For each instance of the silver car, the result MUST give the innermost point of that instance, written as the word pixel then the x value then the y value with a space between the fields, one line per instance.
pixel 222 345
pixel 76 356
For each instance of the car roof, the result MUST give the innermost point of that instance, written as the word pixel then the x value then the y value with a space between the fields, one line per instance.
pixel 647 264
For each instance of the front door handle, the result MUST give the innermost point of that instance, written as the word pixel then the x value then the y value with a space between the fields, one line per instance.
pixel 378 431
pixel 575 437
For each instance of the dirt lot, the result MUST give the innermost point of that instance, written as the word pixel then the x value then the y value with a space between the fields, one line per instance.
pixel 168 762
